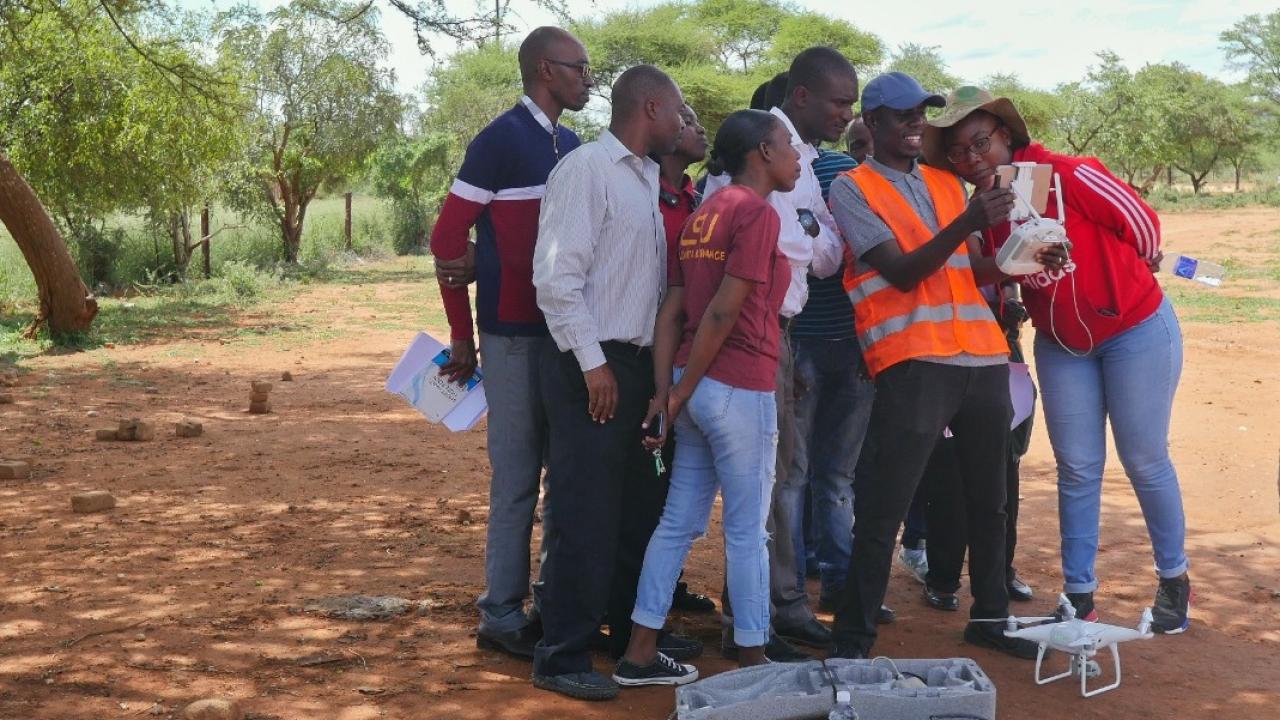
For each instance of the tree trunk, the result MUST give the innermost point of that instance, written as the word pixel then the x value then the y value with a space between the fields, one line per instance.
pixel 1237 178
pixel 1168 177
pixel 346 225
pixel 65 303
pixel 204 240
pixel 1196 182
pixel 180 233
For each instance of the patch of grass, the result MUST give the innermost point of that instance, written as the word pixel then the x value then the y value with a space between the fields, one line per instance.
pixel 1196 304
pixel 1169 200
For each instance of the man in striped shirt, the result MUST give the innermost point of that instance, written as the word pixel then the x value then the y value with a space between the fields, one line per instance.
pixel 833 407
pixel 498 191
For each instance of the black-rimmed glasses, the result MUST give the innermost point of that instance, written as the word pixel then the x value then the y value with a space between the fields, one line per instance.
pixel 978 147
pixel 581 66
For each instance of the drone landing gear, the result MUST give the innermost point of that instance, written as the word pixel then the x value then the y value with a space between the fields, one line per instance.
pixel 1080 664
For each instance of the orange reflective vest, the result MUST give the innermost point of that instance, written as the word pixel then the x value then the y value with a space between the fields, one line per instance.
pixel 942 316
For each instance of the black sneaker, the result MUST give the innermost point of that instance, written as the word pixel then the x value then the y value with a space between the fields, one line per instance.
pixel 662 671
pixel 679 647
pixel 991 635
pixel 687 601
pixel 1171 613
pixel 1083 603
pixel 776 650
pixel 580 686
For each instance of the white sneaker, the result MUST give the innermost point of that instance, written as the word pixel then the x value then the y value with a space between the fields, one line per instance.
pixel 915 561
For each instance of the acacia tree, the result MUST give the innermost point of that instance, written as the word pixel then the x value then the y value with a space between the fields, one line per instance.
pixel 322 103
pixel 1253 44
pixel 93 94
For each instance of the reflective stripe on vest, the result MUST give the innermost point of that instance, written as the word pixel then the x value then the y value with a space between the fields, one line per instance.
pixel 944 314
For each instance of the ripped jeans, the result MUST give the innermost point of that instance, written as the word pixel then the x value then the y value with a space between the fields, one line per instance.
pixel 726 440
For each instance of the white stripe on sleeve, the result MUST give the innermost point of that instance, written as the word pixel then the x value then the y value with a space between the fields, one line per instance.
pixel 1143 229
pixel 467 191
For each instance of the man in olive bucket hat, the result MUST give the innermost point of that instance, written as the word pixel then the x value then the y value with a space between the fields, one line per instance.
pixel 1108 345
pixel 946 521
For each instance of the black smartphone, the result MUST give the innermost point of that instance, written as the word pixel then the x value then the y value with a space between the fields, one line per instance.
pixel 656 426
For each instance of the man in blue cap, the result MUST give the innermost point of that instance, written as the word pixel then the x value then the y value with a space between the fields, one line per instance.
pixel 938 358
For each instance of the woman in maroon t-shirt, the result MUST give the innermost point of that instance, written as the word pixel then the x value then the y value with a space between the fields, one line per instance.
pixel 718 327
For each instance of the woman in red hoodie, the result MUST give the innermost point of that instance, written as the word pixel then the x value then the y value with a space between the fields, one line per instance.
pixel 1108 345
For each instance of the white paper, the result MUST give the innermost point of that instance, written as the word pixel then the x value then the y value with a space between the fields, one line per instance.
pixel 1022 391
pixel 416 378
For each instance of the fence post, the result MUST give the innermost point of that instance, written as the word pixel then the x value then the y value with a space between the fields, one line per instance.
pixel 204 236
pixel 346 227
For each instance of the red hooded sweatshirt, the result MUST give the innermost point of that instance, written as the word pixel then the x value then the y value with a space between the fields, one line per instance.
pixel 1107 287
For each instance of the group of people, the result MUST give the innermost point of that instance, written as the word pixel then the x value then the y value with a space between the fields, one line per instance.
pixel 822 339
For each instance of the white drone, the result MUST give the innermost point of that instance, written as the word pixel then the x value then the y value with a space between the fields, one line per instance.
pixel 1079 639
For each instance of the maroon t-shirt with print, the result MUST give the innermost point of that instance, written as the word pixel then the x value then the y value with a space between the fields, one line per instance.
pixel 734 232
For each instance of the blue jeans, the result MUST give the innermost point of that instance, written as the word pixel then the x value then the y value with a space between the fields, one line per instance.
pixel 1129 379
pixel 833 408
pixel 517 447
pixel 726 440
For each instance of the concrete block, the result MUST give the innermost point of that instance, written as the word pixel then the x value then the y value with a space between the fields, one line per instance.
pixel 106 434
pixel 260 386
pixel 14 470
pixel 260 408
pixel 92 501
pixel 135 429
pixel 188 429
pixel 259 397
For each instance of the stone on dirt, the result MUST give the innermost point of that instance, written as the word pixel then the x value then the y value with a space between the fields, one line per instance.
pixel 260 408
pixel 106 434
pixel 92 501
pixel 286 376
pixel 359 607
pixel 258 397
pixel 188 429
pixel 135 429
pixel 6 398
pixel 213 709
pixel 14 470
pixel 260 386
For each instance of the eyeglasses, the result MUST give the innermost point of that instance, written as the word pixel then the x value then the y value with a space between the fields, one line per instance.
pixel 978 147
pixel 581 66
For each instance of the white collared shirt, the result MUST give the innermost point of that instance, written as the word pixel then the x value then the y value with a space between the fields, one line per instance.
pixel 821 255
pixel 600 263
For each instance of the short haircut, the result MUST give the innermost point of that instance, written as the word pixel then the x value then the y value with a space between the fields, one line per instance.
pixel 758 97
pixel 635 86
pixel 777 92
pixel 740 134
pixel 535 47
pixel 813 66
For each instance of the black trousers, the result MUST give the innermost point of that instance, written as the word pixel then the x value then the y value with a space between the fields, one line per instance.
pixel 948 534
pixel 609 496
pixel 915 401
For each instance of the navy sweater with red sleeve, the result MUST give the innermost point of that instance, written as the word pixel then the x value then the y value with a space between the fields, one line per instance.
pixel 498 191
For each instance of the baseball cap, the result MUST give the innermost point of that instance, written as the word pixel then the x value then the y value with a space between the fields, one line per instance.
pixel 898 91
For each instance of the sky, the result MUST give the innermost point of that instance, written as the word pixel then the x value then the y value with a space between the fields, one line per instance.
pixel 1044 43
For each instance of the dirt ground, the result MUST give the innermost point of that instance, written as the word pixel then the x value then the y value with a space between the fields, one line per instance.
pixel 195 584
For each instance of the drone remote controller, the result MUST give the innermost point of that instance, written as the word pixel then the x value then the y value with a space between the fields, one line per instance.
pixel 1018 255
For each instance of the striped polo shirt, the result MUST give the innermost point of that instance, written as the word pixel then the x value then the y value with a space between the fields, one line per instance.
pixel 828 314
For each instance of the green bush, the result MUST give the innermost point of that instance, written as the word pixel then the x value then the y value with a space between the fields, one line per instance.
pixel 1170 200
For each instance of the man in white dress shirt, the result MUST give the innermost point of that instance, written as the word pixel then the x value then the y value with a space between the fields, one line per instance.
pixel 821 89
pixel 599 268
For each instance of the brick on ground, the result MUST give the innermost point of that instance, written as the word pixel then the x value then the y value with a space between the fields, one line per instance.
pixel 14 470
pixel 188 429
pixel 92 501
